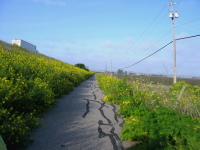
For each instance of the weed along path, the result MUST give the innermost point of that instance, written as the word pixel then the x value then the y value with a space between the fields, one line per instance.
pixel 80 121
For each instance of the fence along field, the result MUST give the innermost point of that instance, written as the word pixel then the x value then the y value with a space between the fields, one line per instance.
pixel 156 116
pixel 29 85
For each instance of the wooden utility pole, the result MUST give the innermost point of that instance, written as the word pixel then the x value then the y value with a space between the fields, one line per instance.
pixel 173 16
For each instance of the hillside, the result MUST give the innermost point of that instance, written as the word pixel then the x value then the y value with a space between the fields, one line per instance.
pixel 29 85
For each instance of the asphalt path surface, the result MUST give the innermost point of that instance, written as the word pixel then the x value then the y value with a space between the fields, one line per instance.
pixel 80 121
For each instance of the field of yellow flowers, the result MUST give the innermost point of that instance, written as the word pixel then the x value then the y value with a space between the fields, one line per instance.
pixel 156 116
pixel 29 84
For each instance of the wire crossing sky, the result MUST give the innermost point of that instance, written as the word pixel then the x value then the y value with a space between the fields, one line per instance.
pixel 94 32
pixel 158 51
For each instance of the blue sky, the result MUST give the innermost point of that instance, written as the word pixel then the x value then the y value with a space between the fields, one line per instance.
pixel 98 32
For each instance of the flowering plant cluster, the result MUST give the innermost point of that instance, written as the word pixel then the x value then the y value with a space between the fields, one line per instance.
pixel 156 116
pixel 29 85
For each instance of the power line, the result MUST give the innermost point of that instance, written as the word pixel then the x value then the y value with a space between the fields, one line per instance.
pixel 178 1
pixel 146 29
pixel 159 50
pixel 155 42
pixel 191 21
pixel 147 35
pixel 188 28
pixel 181 25
pixel 147 56
pixel 188 37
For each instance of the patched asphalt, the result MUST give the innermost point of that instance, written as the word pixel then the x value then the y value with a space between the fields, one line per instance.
pixel 80 121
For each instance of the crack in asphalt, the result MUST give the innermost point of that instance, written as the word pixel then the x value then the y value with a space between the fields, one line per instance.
pixel 95 97
pixel 103 115
pixel 115 113
pixel 114 138
pixel 87 108
pixel 121 124
pixel 97 102
pixel 117 138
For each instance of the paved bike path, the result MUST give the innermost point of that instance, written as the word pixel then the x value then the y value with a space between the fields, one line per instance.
pixel 80 121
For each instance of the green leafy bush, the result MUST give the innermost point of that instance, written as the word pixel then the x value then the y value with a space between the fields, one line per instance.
pixel 150 116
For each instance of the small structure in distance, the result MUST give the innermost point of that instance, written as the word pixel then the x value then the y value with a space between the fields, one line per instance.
pixel 24 44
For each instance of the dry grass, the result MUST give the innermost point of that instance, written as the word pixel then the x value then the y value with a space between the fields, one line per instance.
pixel 159 79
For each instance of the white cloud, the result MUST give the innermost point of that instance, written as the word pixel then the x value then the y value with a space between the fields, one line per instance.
pixel 96 55
pixel 52 2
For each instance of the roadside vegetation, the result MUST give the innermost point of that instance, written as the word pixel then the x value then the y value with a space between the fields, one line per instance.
pixel 29 85
pixel 159 79
pixel 156 116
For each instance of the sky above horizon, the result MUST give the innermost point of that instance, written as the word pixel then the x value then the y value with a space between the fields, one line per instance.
pixel 107 34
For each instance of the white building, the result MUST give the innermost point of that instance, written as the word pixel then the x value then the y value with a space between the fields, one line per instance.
pixel 24 44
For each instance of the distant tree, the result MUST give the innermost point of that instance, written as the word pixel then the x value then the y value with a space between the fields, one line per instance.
pixel 119 71
pixel 82 66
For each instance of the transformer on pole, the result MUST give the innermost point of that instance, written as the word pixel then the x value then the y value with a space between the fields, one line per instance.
pixel 173 15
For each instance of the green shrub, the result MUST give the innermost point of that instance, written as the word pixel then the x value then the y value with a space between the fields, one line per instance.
pixel 150 116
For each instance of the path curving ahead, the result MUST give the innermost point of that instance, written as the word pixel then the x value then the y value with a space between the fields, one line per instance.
pixel 80 121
